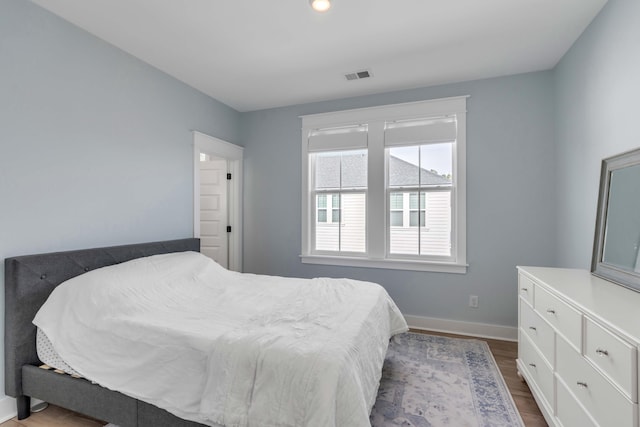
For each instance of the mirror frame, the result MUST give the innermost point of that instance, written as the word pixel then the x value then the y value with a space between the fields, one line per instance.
pixel 612 273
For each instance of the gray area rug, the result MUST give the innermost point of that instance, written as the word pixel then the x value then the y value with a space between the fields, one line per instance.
pixel 433 381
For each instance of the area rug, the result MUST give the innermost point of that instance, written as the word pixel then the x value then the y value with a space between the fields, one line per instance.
pixel 433 381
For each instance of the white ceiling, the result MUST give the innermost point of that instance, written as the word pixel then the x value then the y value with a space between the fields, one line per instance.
pixel 256 54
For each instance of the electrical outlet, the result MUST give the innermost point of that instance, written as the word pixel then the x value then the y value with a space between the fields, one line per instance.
pixel 473 301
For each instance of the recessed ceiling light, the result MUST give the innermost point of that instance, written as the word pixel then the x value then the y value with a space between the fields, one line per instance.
pixel 320 5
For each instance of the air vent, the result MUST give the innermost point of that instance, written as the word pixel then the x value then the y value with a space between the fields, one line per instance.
pixel 357 75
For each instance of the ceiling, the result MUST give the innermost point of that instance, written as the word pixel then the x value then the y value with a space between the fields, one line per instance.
pixel 256 54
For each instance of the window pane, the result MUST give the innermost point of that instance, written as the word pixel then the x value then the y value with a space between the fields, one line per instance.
pixel 347 231
pixel 354 169
pixel 403 166
pixel 421 165
pixel 341 169
pixel 396 219
pixel 433 236
pixel 344 225
pixel 353 222
pixel 322 215
pixel 327 170
pixel 436 161
pixel 327 236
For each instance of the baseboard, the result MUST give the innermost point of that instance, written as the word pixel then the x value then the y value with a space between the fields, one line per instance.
pixel 8 407
pixel 482 330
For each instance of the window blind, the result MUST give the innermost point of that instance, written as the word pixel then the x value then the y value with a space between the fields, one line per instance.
pixel 424 131
pixel 337 139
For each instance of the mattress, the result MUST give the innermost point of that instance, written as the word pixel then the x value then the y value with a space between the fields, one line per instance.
pixel 50 357
pixel 218 347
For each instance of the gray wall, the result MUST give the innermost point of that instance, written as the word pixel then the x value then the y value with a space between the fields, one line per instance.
pixel 95 145
pixel 510 187
pixel 597 92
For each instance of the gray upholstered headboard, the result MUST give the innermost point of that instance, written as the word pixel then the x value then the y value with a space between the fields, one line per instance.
pixel 30 279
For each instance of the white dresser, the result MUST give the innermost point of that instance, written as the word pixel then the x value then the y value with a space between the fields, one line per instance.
pixel 578 343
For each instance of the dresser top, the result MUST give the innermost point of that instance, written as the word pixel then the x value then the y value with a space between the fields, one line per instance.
pixel 611 304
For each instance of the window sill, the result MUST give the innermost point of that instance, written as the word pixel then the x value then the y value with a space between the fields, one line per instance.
pixel 390 264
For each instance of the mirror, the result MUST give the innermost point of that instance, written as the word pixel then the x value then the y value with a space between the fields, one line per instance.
pixel 616 249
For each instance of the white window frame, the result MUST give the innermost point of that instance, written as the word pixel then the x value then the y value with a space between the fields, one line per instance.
pixel 377 225
pixel 313 193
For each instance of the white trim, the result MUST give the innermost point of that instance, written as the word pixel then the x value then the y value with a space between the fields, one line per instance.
pixel 218 147
pixel 376 176
pixel 404 111
pixel 8 407
pixel 377 243
pixel 482 330
pixel 234 155
pixel 391 264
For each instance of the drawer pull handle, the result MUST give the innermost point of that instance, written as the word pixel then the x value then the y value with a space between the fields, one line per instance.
pixel 533 328
pixel 602 352
pixel 581 384
pixel 551 311
pixel 533 365
pixel 525 289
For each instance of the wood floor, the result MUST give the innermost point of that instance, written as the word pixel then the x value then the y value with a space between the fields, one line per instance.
pixel 504 352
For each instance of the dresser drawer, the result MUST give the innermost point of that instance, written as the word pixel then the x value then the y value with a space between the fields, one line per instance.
pixel 614 356
pixel 538 330
pixel 569 412
pixel 607 405
pixel 560 315
pixel 537 368
pixel 526 288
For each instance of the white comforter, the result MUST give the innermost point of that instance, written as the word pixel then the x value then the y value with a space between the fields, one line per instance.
pixel 219 347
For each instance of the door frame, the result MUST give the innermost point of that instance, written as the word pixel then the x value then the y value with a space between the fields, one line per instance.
pixel 233 154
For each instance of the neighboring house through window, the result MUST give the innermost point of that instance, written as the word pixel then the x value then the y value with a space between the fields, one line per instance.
pixel 385 187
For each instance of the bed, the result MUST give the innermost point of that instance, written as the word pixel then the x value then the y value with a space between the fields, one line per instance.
pixel 29 282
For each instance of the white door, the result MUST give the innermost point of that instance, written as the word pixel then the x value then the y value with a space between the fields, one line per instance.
pixel 214 241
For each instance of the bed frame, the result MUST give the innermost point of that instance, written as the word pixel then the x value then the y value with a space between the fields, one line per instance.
pixel 28 282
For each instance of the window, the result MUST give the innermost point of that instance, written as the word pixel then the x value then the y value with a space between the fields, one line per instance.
pixel 424 174
pixel 339 184
pixel 384 187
